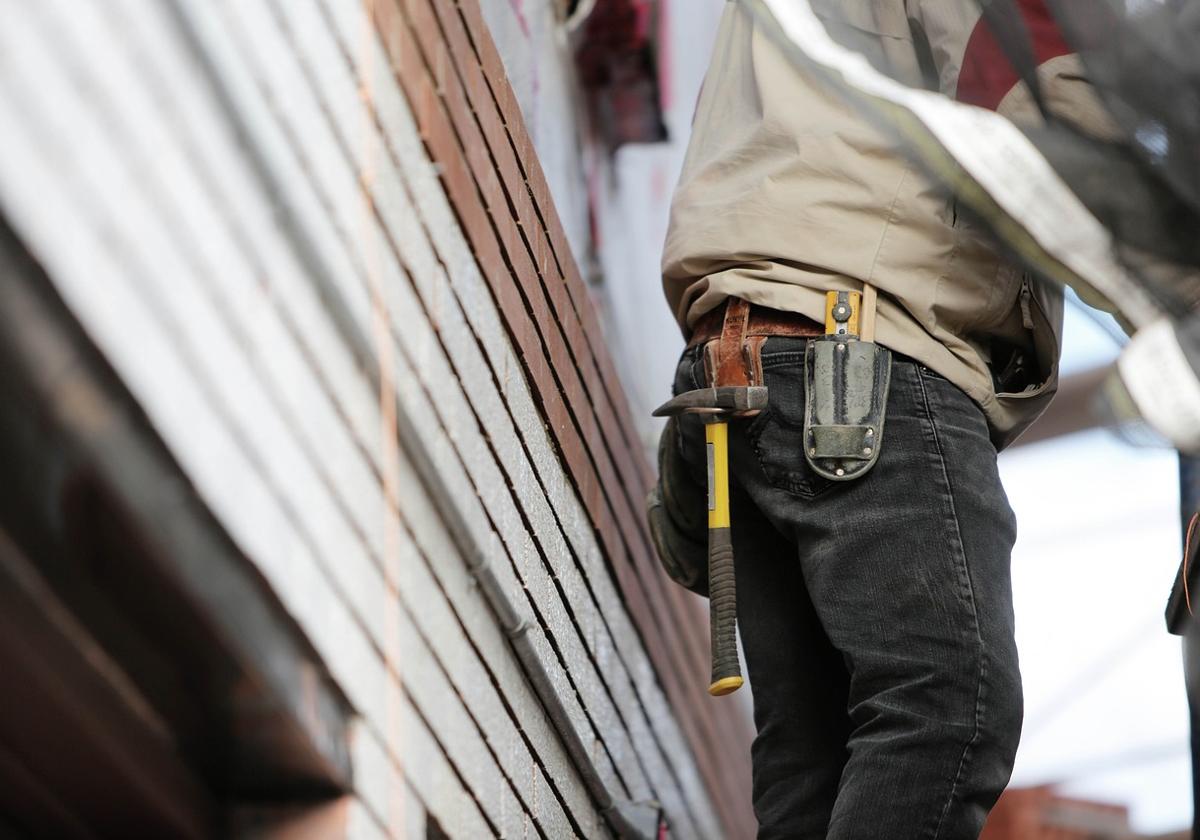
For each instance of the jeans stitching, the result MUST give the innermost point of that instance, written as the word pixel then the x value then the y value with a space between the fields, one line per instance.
pixel 964 759
pixel 779 358
pixel 806 486
pixel 930 373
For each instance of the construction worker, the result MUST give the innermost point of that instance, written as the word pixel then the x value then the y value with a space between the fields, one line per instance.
pixel 875 610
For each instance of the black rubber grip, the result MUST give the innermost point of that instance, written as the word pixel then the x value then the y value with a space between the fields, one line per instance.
pixel 722 594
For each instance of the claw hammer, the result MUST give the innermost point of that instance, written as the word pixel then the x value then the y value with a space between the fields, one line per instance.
pixel 716 405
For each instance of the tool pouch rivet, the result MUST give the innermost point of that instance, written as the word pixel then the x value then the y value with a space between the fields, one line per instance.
pixel 846 390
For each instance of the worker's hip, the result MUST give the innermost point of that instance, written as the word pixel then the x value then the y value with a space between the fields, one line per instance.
pixel 925 414
pixel 906 572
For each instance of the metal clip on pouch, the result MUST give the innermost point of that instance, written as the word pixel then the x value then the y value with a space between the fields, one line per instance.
pixel 847 376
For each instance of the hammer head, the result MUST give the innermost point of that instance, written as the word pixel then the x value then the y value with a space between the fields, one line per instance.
pixel 727 399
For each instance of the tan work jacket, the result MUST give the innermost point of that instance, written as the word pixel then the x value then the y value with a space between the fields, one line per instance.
pixel 786 193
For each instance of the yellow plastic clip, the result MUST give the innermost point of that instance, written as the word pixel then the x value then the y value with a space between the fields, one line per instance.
pixel 841 313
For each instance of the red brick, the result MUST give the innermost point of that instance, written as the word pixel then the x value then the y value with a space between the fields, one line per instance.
pixel 545 275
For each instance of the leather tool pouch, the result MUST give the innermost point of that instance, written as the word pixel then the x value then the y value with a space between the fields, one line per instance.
pixel 846 390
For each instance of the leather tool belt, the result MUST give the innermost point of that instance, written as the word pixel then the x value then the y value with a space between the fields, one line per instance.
pixel 846 379
pixel 733 336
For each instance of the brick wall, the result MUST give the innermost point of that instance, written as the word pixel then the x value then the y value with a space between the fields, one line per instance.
pixel 313 240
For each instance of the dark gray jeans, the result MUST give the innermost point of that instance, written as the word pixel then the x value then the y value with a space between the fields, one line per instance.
pixel 875 615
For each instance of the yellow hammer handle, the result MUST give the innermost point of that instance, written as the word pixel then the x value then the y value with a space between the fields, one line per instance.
pixel 722 585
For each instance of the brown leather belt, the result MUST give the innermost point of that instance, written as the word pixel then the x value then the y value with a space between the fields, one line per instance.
pixel 760 321
pixel 733 335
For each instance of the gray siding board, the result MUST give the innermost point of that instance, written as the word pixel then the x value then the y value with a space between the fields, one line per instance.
pixel 323 617
pixel 346 457
pixel 248 376
pixel 327 348
pixel 227 364
pixel 570 513
pixel 490 482
pixel 101 283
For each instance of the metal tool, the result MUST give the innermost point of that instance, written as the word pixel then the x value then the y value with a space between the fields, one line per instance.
pixel 716 405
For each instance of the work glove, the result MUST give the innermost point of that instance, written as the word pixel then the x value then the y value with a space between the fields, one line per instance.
pixel 677 510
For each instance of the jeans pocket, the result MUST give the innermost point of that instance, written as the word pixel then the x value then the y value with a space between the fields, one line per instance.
pixel 777 435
